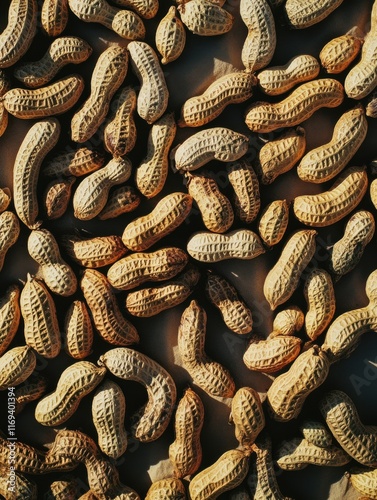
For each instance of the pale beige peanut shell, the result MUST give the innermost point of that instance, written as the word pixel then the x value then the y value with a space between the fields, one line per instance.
pixel 121 200
pixel 283 279
pixel 3 118
pixel 76 163
pixel 54 16
pixel 9 233
pixel 339 52
pixel 365 482
pixel 288 321
pixel 273 222
pixel 170 37
pixel 302 14
pixel 10 316
pixel 57 196
pixel 330 206
pixel 145 8
pixel 5 198
pixel 245 184
pixel 16 365
pixel 272 354
pixel 247 416
pixel 78 331
pixel 30 390
pixel 153 418
pixel 205 18
pixel 166 488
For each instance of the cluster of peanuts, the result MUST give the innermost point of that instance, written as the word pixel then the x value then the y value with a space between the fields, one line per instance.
pixel 92 294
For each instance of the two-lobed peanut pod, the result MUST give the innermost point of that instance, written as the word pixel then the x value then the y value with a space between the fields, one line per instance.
pixel 78 330
pixel 54 16
pixel 205 18
pixel 303 14
pixel 247 416
pixel 339 52
pixel 245 184
pixel 16 365
pixel 9 233
pixel 272 354
pixel 274 222
pixel 10 316
pixel 170 36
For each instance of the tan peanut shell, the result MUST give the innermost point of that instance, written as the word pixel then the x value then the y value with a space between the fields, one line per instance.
pixel 3 118
pixel 56 273
pixel 57 196
pixel 365 481
pixel 185 452
pixel 279 155
pixel 166 488
pixel 231 88
pixel 150 301
pixel 39 140
pixel 229 470
pixel 107 317
pixel 144 8
pixel 283 279
pixel 302 14
pixel 260 43
pixel 125 23
pixel 205 18
pixel 288 321
pixel 206 246
pixel 120 201
pixel 16 365
pixel 19 32
pixel 216 143
pixel 298 453
pixel 339 53
pixel 128 364
pixel 51 100
pixel 326 161
pixel 93 252
pixel 264 117
pixel 215 208
pixel 330 206
pixel 54 16
pixel 64 488
pixel 207 374
pixel 153 96
pixel 247 416
pixel 272 354
pixel 169 213
pixel 288 391
pixel 170 37
pixel 108 413
pixel 151 174
pixel 320 296
pixel 273 222
pixel 245 184
pixel 223 295
pixel 276 80
pixel 316 433
pixel 9 233
pixel 371 106
pixel 5 198
pixel 347 252
pixel 92 193
pixel 120 132
pixel 10 316
pixel 38 310
pixel 62 51
pixel 78 330
pixel 137 268
pixel 78 162
pixel 357 439
pixel 75 382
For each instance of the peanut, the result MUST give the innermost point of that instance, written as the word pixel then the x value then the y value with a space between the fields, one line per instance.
pixel 93 252
pixel 231 88
pixel 205 18
pixel 272 354
pixel 237 244
pixel 54 16
pixel 108 74
pixel 283 279
pixel 41 327
pixel 245 185
pixel 247 416
pixel 330 206
pixel 300 105
pixel 358 440
pixel 5 198
pixel 276 80
pixel 347 252
pixel 50 100
pixel 371 107
pixel 229 470
pixel 339 52
pixel 9 233
pixel 166 488
pixel 3 118
pixel 151 174
pixel 10 316
pixel 273 222
pixel 304 14
pixel 153 96
pixel 124 23
pixel 169 213
pixel 148 302
pixel 57 197
pixel 108 412
pixel 279 155
pixel 128 364
pixel 81 161
pixel 215 208
pixel 145 8
pixel 320 297
pixel 288 321
pixel 121 200
pixel 74 383
pixel 216 143
pixel 120 132
pixel 223 295
pixel 185 452
pixel 92 193
pixel 316 433
pixel 288 392
pixel 63 489
pixel 328 160
pixel 64 50
pixel 207 374
pixel 365 482
pixel 18 34
pixel 39 140
pixel 107 317
pixel 16 365
pixel 170 37
pixel 78 331
pixel 56 273
pixel 30 390
pixel 138 268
